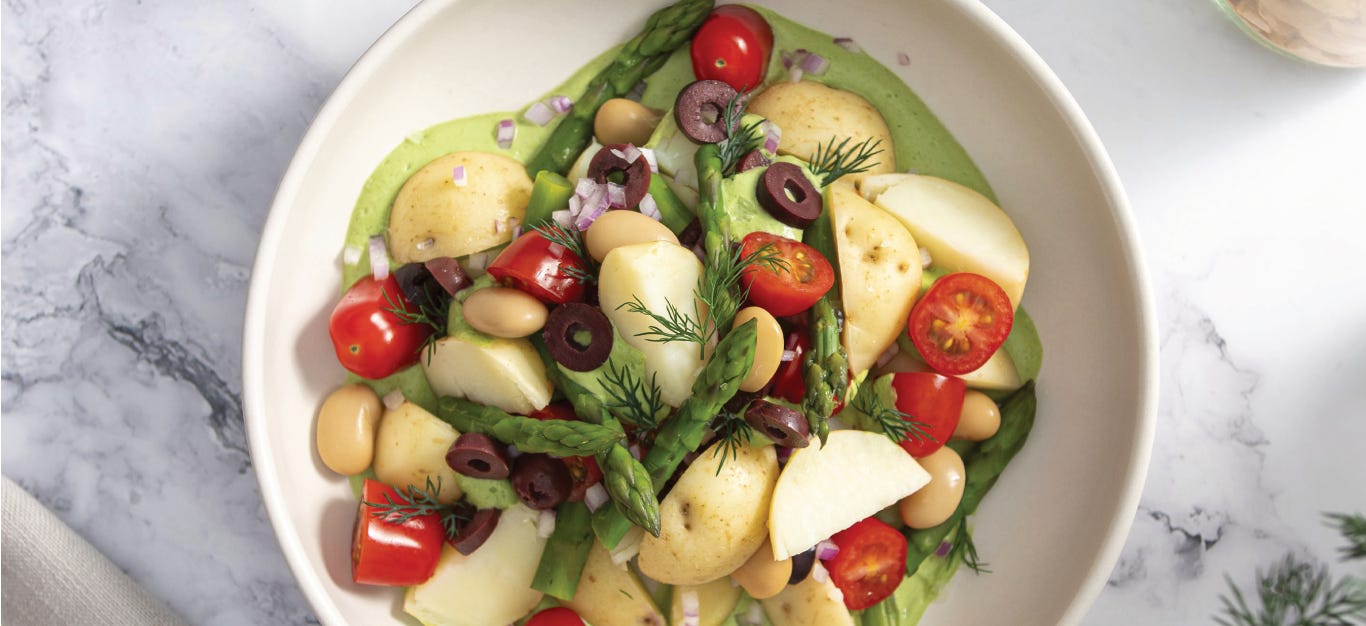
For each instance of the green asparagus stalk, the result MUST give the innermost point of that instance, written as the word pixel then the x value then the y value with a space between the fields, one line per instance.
pixel 566 552
pixel 665 31
pixel 983 465
pixel 827 364
pixel 557 437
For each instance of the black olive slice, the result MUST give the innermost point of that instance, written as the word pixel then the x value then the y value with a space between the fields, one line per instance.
pixel 635 174
pixel 788 196
pixel 784 426
pixel 568 320
pixel 751 160
pixel 475 532
pixel 541 482
pixel 478 456
pixel 698 110
pixel 801 566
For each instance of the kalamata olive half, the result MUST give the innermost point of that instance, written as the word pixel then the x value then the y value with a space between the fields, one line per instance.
pixel 698 110
pixel 751 160
pixel 541 482
pixel 561 332
pixel 801 566
pixel 784 426
pixel 607 164
pixel 788 196
pixel 422 289
pixel 448 273
pixel 478 456
pixel 475 532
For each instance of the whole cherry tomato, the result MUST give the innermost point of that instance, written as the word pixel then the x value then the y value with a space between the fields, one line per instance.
pixel 791 286
pixel 934 402
pixel 537 266
pixel 870 564
pixel 387 553
pixel 583 469
pixel 370 340
pixel 960 322
pixel 733 45
pixel 556 616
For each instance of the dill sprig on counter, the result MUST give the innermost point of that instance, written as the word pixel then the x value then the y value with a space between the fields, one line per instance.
pixel 832 161
pixel 1353 529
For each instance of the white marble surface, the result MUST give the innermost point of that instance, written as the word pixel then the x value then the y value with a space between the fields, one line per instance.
pixel 142 141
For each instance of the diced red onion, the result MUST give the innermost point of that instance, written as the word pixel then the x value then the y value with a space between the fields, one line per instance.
pixel 424 244
pixel 499 226
pixel 616 195
pixel 795 76
pixel 754 616
pixel 595 497
pixel 561 104
pixel 634 449
pixel 516 226
pixel 593 207
pixel 585 187
pixel 351 255
pixel 943 549
pixel 563 217
pixel 692 609
pixel 827 550
pixel 507 131
pixel 446 270
pixel 545 524
pixel 630 153
pixel 379 258
pixel 650 158
pixel 888 354
pixel 772 135
pixel 649 208
pixel 925 259
pixel 394 399
pixel 787 59
pixel 819 573
pixel 903 59
pixel 479 261
pixel 848 44
pixel 788 355
pixel 784 453
pixel 539 114
pixel 458 176
pixel 815 64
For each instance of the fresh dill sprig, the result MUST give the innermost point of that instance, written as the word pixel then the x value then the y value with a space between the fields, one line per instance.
pixel 572 240
pixel 638 403
pixel 416 502
pixel 673 325
pixel 832 161
pixel 739 140
pixel 425 314
pixel 895 423
pixel 734 433
pixel 964 549
pixel 1353 529
pixel 1295 593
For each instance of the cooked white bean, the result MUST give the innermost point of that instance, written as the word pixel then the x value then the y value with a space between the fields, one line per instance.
pixel 505 312
pixel 345 434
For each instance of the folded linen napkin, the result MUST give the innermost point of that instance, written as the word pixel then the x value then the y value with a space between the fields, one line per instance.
pixel 53 576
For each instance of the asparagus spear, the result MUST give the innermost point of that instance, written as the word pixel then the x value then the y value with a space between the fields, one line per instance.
pixel 983 465
pixel 827 364
pixel 665 31
pixel 557 437
pixel 566 552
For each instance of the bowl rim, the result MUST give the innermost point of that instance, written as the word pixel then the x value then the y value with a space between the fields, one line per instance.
pixel 253 344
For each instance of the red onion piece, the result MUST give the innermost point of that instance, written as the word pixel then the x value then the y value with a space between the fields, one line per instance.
pixel 593 207
pixel 650 158
pixel 819 572
pixel 848 44
pixel 394 399
pixel 943 549
pixel 788 355
pixel 545 524
pixel 903 59
pixel 458 176
pixel 772 135
pixel 351 255
pixel 815 64
pixel 616 195
pixel 499 226
pixel 478 261
pixel 630 153
pixel 692 607
pixel 787 59
pixel 539 114
pixel 379 258
pixel 507 131
pixel 563 217
pixel 795 76
pixel 827 550
pixel 446 270
pixel 561 104
pixel 649 208
pixel 595 497
pixel 516 226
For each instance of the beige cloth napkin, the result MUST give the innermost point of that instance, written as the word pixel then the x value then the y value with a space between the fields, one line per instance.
pixel 53 576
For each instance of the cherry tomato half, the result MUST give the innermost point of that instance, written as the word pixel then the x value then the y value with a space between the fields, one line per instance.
pixel 870 564
pixel 790 381
pixel 370 341
pixel 583 469
pixel 960 322
pixel 536 265
pixel 385 553
pixel 935 402
pixel 556 616
pixel 793 288
pixel 733 45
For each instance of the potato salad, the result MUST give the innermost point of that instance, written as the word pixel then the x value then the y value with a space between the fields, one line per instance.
pixel 724 330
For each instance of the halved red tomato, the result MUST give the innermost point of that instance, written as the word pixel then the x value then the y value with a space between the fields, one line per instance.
pixel 805 274
pixel 733 45
pixel 384 552
pixel 870 564
pixel 556 616
pixel 537 266
pixel 934 402
pixel 960 322
pixel 370 341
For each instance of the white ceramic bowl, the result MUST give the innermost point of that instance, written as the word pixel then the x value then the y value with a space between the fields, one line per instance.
pixel 1053 526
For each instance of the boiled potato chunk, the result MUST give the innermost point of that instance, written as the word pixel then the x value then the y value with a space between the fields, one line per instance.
pixel 963 230
pixel 716 600
pixel 809 602
pixel 610 595
pixel 660 274
pixel 879 265
pixel 810 113
pixel 506 373
pixel 490 586
pixel 410 447
pixel 825 489
pixel 433 217
pixel 714 518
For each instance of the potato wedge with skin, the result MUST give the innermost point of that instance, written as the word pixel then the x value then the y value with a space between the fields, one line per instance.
pixel 610 595
pixel 715 517
pixel 810 113
pixel 506 373
pixel 410 447
pixel 716 600
pixel 806 603
pixel 433 217
pixel 660 274
pixel 879 264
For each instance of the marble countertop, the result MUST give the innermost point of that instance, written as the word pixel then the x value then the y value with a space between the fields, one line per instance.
pixel 142 143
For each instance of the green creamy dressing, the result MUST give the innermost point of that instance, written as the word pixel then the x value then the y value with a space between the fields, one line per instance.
pixel 921 143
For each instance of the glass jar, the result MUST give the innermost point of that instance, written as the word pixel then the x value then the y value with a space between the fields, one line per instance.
pixel 1326 32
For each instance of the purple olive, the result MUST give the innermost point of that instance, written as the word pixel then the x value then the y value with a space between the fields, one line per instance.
pixel 542 482
pixel 784 426
pixel 568 320
pixel 422 289
pixel 788 196
pixel 636 174
pixel 475 532
pixel 478 456
pixel 751 160
pixel 802 565
pixel 698 110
